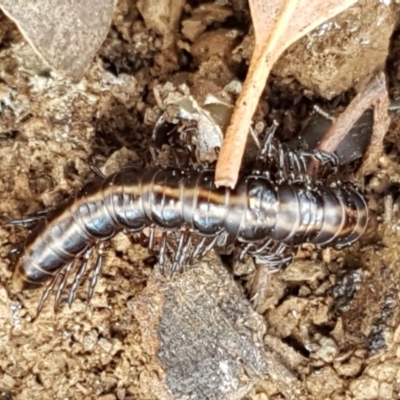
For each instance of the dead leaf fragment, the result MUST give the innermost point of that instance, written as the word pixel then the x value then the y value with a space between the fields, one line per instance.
pixel 66 35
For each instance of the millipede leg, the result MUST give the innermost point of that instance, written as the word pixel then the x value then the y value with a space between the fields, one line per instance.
pixel 160 122
pixel 63 281
pixel 282 173
pixel 185 253
pixel 295 163
pixel 324 158
pixel 280 262
pixel 268 251
pixel 291 168
pixel 302 163
pixel 78 276
pixel 163 250
pixel 97 171
pixel 276 251
pixel 209 246
pixel 265 246
pixel 327 158
pixel 46 293
pixel 198 248
pixel 244 251
pixel 153 155
pixel 28 221
pixel 298 167
pixel 299 164
pixel 268 141
pixel 96 271
pixel 185 240
pixel 275 258
pixel 150 246
pixel 178 251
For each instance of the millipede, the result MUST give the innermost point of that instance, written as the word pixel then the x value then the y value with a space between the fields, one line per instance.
pixel 270 213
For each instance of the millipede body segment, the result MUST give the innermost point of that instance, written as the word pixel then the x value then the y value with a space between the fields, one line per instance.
pixel 262 215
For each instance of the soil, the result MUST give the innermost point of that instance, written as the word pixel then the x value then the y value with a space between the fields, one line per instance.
pixel 328 325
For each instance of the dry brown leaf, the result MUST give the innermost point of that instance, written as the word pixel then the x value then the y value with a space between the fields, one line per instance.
pixel 277 24
pixel 66 34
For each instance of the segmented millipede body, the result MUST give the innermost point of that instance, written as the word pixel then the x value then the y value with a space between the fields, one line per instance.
pixel 257 210
pixel 267 215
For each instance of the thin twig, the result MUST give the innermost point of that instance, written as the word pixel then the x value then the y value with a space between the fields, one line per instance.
pixel 381 125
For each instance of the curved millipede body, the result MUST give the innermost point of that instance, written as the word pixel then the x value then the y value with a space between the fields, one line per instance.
pixel 264 215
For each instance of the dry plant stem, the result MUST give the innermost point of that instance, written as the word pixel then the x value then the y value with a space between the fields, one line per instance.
pixel 263 58
pixel 380 127
pixel 374 92
pixel 364 100
pixel 273 36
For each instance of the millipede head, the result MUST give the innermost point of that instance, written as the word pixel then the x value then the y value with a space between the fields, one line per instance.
pixel 20 281
pixel 26 274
